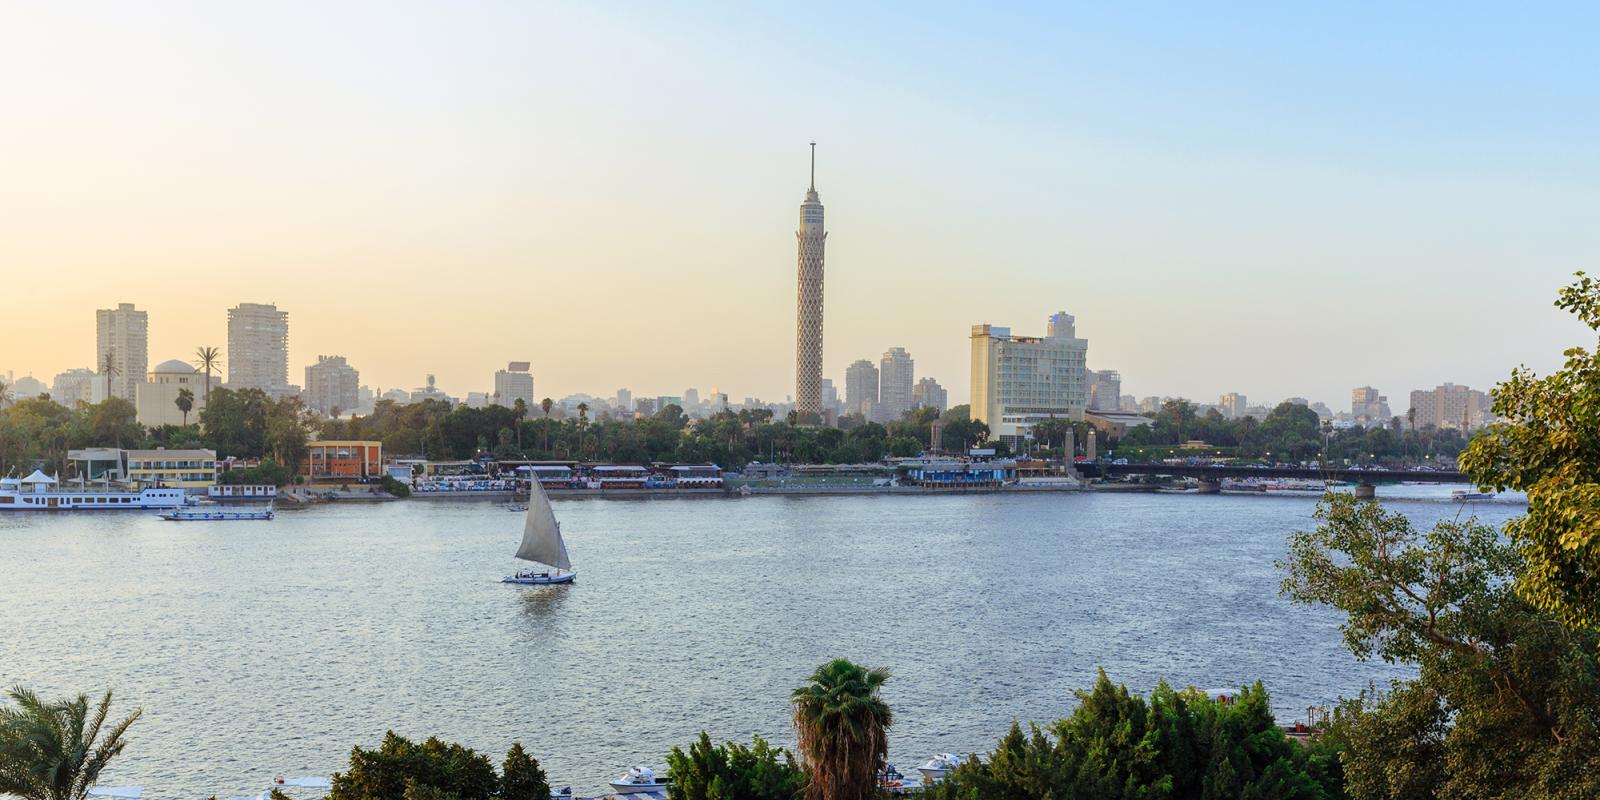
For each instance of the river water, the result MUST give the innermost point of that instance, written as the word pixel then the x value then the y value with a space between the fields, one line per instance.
pixel 258 649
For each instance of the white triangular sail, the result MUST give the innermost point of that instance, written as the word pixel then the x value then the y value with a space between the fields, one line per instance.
pixel 541 534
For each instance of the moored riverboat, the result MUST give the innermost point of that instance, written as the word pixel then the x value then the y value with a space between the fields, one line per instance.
pixel 217 513
pixel 41 492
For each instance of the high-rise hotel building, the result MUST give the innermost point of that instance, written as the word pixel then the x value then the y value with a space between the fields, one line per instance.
pixel 1019 381
pixel 808 301
pixel 258 348
pixel 122 338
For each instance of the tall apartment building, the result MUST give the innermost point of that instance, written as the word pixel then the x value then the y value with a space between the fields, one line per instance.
pixel 1450 406
pixel 514 383
pixel 1105 389
pixel 896 379
pixel 1019 381
pixel 258 348
pixel 1232 405
pixel 332 385
pixel 1367 406
pixel 861 389
pixel 624 400
pixel 929 394
pixel 122 334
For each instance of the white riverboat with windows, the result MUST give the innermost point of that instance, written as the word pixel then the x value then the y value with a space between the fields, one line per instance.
pixel 41 492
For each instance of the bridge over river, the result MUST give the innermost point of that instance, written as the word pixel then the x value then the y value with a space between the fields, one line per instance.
pixel 1211 475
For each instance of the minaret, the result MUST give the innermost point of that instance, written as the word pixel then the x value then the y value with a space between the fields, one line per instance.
pixel 808 314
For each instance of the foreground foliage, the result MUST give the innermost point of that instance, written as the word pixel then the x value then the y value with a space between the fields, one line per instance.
pixel 1175 745
pixel 1507 700
pixel 1545 445
pixel 843 730
pixel 56 750
pixel 733 771
pixel 433 770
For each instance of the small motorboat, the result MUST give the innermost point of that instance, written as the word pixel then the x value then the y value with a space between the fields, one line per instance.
pixel 564 793
pixel 640 779
pixel 1464 495
pixel 516 509
pixel 939 766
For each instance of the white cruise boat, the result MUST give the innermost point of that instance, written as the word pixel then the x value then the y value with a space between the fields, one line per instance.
pixel 40 492
pixel 939 766
pixel 640 779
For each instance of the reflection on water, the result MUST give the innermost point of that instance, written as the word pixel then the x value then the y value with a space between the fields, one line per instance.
pixel 543 601
pixel 265 648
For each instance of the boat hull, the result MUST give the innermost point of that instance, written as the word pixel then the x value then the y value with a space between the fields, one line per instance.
pixel 218 516
pixel 541 580
pixel 639 788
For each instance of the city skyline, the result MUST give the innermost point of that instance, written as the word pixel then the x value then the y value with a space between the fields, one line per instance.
pixel 1316 246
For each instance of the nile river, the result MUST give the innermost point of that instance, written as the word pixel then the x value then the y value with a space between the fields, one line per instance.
pixel 264 648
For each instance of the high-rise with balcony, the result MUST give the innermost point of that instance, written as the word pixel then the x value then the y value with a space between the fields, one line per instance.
pixel 122 342
pixel 258 348
pixel 514 383
pixel 1020 381
pixel 896 380
pixel 332 386
pixel 808 300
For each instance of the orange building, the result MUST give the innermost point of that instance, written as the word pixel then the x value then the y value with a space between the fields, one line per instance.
pixel 333 459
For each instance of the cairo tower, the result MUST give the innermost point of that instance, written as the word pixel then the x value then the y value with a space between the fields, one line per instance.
pixel 808 311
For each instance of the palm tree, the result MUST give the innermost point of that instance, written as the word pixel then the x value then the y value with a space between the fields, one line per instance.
pixel 54 751
pixel 843 730
pixel 108 366
pixel 208 358
pixel 545 405
pixel 185 403
pixel 519 411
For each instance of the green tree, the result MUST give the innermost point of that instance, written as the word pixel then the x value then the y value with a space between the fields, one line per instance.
pixel 733 771
pixel 1545 445
pixel 402 768
pixel 1506 702
pixel 185 404
pixel 286 434
pixel 843 730
pixel 1175 745
pixel 521 777
pixel 56 751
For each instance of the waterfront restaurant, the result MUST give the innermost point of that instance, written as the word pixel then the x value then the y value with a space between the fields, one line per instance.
pixel 343 460
pixel 696 476
pixel 611 476
pixel 950 475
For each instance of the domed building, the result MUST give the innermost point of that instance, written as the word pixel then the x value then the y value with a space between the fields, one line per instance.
pixel 158 395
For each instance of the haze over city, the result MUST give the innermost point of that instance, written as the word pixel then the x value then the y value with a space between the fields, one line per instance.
pixel 1282 203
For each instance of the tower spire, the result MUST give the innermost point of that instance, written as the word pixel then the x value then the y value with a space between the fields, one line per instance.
pixel 813 166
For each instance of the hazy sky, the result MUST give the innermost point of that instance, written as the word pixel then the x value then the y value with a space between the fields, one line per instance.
pixel 1259 199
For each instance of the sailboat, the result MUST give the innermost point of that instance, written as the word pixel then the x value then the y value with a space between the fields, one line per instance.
pixel 542 543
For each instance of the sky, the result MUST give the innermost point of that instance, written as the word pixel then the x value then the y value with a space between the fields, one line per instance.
pixel 1274 200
